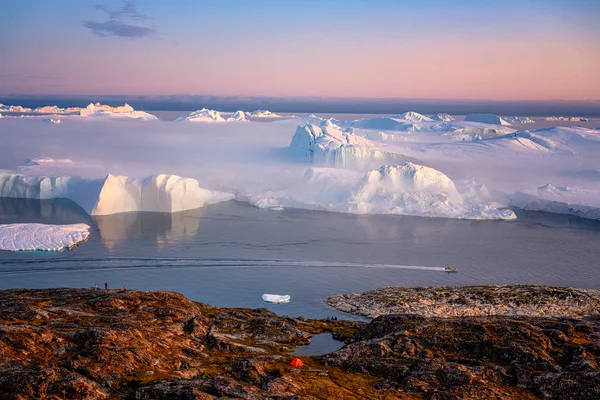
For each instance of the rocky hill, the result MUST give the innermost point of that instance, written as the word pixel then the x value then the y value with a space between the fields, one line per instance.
pixel 116 344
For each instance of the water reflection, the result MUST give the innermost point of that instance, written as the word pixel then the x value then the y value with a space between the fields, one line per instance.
pixel 161 228
pixel 55 211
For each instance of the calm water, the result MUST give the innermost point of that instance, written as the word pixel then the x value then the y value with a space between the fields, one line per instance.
pixel 229 254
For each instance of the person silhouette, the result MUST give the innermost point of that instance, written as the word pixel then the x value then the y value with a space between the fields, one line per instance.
pixel 106 286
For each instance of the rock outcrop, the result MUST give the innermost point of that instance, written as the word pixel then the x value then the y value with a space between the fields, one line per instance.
pixel 116 344
pixel 472 301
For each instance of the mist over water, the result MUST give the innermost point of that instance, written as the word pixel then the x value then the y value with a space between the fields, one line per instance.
pixel 229 254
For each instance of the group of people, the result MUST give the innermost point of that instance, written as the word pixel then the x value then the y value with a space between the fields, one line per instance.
pixel 331 318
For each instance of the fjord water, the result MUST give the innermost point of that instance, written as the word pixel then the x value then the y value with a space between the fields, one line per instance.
pixel 229 254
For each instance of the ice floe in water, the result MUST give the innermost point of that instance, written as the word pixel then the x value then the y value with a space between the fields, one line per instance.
pixel 42 237
pixel 121 112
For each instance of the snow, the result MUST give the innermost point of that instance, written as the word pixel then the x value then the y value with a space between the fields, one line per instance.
pixel 121 112
pixel 41 237
pixel 487 119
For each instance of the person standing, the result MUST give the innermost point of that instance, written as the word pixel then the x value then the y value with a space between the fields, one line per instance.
pixel 106 286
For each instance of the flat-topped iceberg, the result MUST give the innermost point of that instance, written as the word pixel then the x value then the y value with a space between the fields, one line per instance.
pixel 42 237
pixel 160 193
pixel 121 112
pixel 584 203
pixel 486 119
pixel 115 194
pixel 331 145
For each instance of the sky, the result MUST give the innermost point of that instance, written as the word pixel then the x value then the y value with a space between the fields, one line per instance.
pixel 429 49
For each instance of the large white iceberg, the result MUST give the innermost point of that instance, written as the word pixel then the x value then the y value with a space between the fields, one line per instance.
pixel 161 193
pixel 330 145
pixel 203 115
pixel 406 189
pixel 584 203
pixel 486 119
pixel 120 112
pixel 42 237
pixel 115 194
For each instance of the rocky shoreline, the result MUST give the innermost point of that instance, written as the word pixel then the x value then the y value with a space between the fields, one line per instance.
pixel 472 301
pixel 115 344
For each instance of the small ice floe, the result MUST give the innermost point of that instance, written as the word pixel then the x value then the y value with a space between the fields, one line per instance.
pixel 276 298
pixel 41 237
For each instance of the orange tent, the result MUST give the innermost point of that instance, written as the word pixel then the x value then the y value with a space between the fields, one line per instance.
pixel 296 362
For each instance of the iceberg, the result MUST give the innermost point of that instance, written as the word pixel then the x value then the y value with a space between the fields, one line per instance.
pixel 442 117
pixel 583 203
pixel 567 119
pixel 203 115
pixel 52 121
pixel 486 119
pixel 276 298
pixel 518 120
pixel 263 114
pixel 41 237
pixel 237 116
pixel 160 193
pixel 412 116
pixel 406 189
pixel 115 194
pixel 56 110
pixel 330 145
pixel 122 112
pixel 15 109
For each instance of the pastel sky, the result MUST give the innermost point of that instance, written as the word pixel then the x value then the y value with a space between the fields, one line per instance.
pixel 468 49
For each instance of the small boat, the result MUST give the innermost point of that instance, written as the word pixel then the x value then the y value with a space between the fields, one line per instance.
pixel 450 270
pixel 276 298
